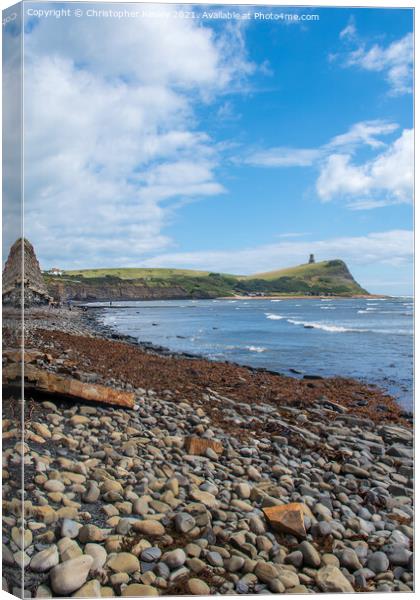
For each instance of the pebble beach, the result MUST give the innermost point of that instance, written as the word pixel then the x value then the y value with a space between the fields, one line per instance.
pixel 220 479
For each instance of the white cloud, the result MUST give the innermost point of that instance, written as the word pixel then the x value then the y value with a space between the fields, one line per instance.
pixel 349 32
pixel 339 177
pixel 283 157
pixel 363 133
pixel 390 172
pixel 387 178
pixel 368 204
pixel 391 248
pixel 395 61
pixel 112 141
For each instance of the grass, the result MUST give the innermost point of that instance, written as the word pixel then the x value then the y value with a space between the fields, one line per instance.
pixel 302 271
pixel 134 273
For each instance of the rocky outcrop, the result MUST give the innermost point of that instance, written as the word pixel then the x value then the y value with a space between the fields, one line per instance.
pixel 22 271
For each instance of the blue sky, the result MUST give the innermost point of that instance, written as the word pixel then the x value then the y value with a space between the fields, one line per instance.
pixel 223 145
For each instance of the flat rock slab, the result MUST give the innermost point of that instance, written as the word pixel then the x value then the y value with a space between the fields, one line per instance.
pixel 46 381
pixel 288 518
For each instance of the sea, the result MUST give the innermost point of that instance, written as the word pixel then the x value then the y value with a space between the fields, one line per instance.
pixel 368 339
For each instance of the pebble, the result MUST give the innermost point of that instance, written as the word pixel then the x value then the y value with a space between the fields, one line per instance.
pixel 196 587
pixel 69 576
pixel 45 560
pixel 99 555
pixel 294 558
pixel 70 528
pixel 184 522
pixel 330 579
pixel 215 559
pixel 310 555
pixel 149 527
pixel 91 589
pixel 123 562
pixel 22 537
pixel 265 571
pixel 139 590
pixel 175 558
pixel 349 559
pixel 151 554
pixel 54 485
pixel 378 562
pixel 205 498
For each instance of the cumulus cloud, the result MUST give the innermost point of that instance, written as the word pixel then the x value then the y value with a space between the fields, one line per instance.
pixel 394 60
pixel 390 173
pixel 113 144
pixel 391 248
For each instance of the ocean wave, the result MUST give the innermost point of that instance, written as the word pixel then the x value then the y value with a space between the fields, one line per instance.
pixel 327 307
pixel 324 326
pixel 274 317
pixel 275 300
pixel 340 329
pixel 256 348
pixel 395 312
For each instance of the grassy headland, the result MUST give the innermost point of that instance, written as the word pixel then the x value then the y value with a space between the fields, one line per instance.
pixel 323 278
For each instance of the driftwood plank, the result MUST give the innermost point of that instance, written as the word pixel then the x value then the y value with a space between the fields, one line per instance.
pixel 45 381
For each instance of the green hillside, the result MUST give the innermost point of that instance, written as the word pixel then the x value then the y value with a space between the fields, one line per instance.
pixel 305 271
pixel 327 277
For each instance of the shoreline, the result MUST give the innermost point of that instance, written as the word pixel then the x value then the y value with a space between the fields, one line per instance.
pixel 86 324
pixel 292 372
pixel 90 325
pixel 88 303
pixel 305 297
pixel 174 495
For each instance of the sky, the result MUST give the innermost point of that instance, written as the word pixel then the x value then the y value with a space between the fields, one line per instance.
pixel 230 145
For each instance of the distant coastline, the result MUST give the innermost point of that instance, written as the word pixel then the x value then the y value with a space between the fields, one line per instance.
pixel 314 279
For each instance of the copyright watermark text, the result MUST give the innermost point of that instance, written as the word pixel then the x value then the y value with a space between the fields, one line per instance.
pixel 163 13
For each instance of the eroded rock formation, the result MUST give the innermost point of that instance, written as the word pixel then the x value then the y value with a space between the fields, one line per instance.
pixel 22 269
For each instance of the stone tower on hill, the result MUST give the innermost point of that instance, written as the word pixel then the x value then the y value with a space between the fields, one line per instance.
pixel 311 259
pixel 27 272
